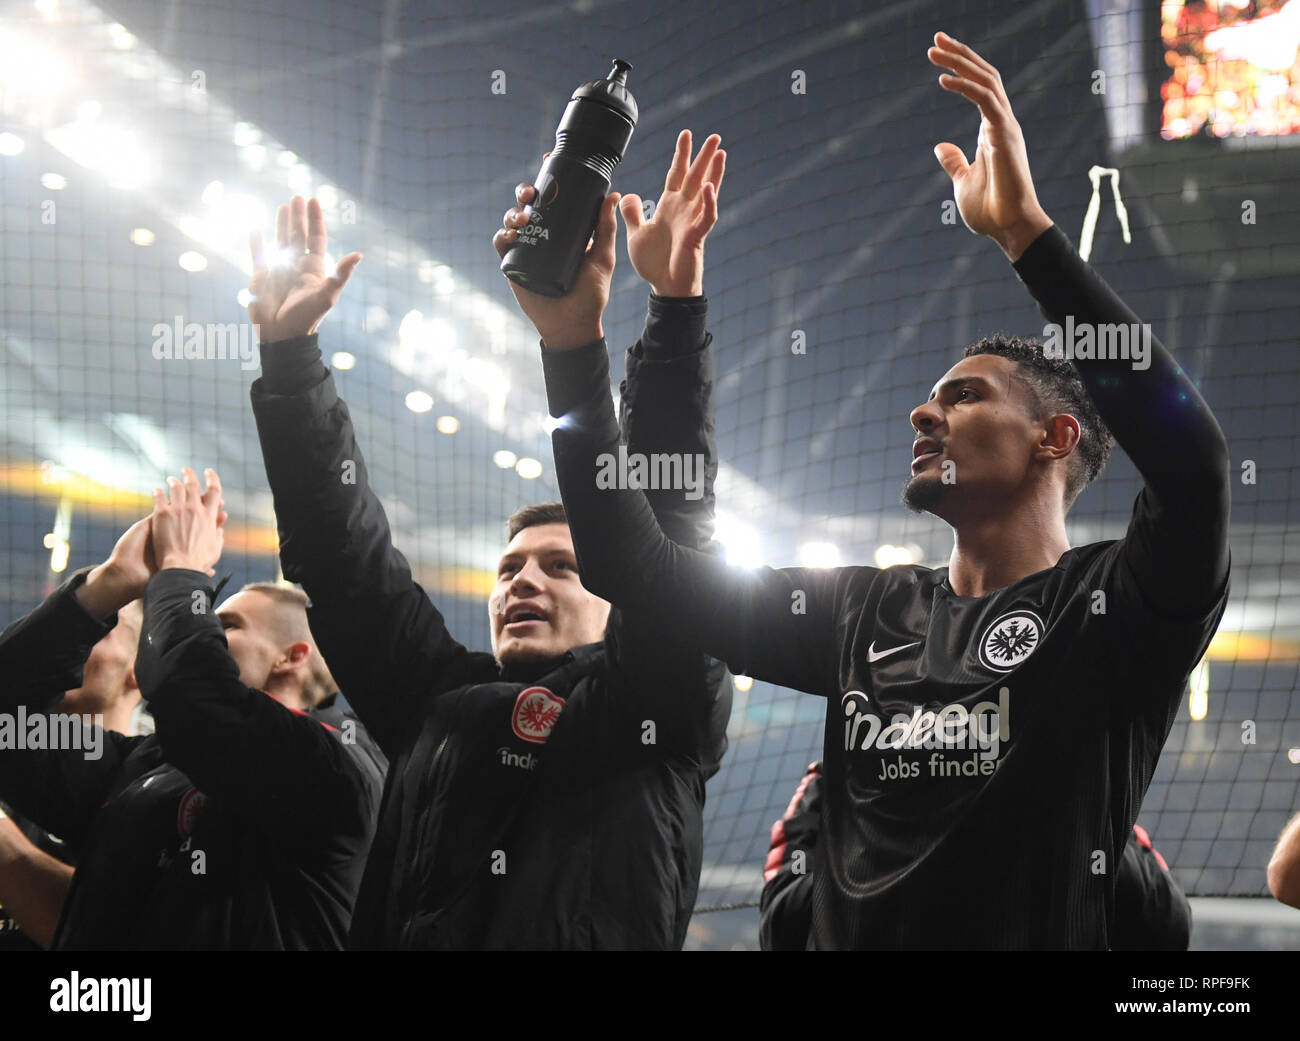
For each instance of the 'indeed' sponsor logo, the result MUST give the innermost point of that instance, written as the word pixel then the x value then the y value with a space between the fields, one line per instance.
pixel 984 727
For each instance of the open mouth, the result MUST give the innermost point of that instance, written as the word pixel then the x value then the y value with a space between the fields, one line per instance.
pixel 520 617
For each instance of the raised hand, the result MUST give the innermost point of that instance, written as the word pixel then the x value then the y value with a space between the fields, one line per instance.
pixel 995 192
pixel 187 528
pixel 668 249
pixel 123 576
pixel 290 299
pixel 573 319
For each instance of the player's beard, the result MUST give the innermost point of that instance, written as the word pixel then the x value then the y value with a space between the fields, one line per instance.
pixel 923 493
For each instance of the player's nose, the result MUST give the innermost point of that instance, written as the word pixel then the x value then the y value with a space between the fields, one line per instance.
pixel 529 577
pixel 924 418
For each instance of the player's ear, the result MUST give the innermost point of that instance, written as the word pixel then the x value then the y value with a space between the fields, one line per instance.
pixel 1060 437
pixel 296 655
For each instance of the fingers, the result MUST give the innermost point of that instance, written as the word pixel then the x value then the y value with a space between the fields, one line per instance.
pixel 298 226
pixel 316 237
pixel 681 160
pixel 948 43
pixel 951 159
pixel 633 212
pixel 716 171
pixel 602 247
pixel 514 219
pixel 282 228
pixel 695 176
pixel 525 192
pixel 341 275
pixel 211 497
pixel 258 248
pixel 972 77
pixel 708 215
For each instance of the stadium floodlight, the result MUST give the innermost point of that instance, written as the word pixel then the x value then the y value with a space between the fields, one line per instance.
pixel 448 424
pixel 342 361
pixel 819 554
pixel 419 401
pixel 11 144
pixel 505 459
pixel 887 555
pixel 739 540
pixel 528 468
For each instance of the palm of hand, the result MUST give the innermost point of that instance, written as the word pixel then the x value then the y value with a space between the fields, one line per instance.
pixel 988 192
pixel 655 248
pixel 289 297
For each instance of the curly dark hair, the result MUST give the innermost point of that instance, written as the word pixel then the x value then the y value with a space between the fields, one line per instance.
pixel 1055 387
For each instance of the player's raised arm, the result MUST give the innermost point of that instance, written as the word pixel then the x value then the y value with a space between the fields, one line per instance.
pixel 292 775
pixel 1177 547
pixel 41 657
pixel 771 624
pixel 384 641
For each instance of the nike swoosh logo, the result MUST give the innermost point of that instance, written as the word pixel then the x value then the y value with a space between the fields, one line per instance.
pixel 874 655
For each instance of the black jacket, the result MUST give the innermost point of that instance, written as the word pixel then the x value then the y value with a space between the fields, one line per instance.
pixel 239 824
pixel 556 807
pixel 1151 911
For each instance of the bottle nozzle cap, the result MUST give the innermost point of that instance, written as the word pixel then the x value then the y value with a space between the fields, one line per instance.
pixel 620 70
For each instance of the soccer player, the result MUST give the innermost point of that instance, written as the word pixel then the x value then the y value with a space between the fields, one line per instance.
pixel 1284 867
pixel 992 725
pixel 243 822
pixel 548 795
pixel 35 866
pixel 1151 911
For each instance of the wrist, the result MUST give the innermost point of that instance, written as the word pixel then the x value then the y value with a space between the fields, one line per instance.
pixel 1020 235
pixel 678 289
pixel 105 591
pixel 178 561
pixel 571 338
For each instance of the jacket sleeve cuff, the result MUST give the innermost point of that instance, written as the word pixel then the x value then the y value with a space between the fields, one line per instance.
pixel 576 377
pixel 674 327
pixel 290 366
pixel 1046 260
pixel 172 611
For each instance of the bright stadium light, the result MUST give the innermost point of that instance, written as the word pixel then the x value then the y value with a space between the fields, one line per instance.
pixel 244 135
pixel 142 237
pixel 505 459
pixel 419 401
pixel 212 193
pixel 342 361
pixel 11 144
pixel 120 37
pixel 742 683
pixel 53 182
pixel 740 541
pixel 529 469
pixel 889 555
pixel 193 261
pixel 1293 756
pixel 819 554
pixel 448 424
pixel 111 151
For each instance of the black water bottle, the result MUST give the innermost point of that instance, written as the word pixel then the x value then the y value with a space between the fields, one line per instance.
pixel 571 185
